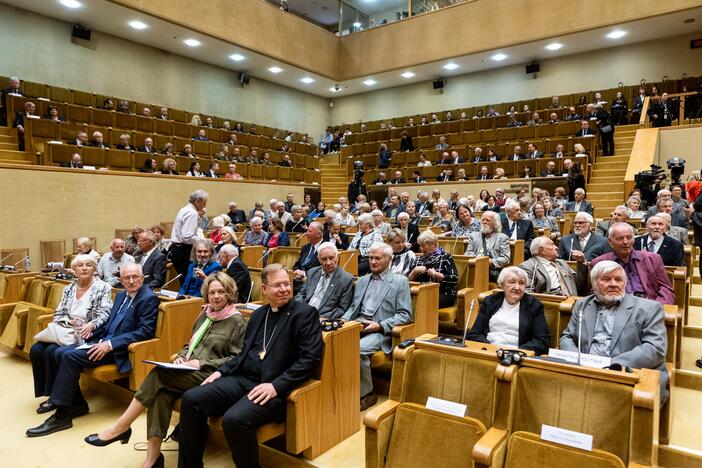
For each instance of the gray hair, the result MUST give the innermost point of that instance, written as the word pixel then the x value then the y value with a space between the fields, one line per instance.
pixel 366 218
pixel 317 225
pixel 385 248
pixel 665 217
pixel 85 241
pixel 327 245
pixel 511 204
pixel 495 217
pixel 329 213
pixel 255 220
pixel 395 233
pixel 84 258
pixel 537 244
pixel 207 243
pixel 427 237
pixel 197 195
pixel 588 217
pixel 510 271
pixel 376 213
pixel 229 249
pixel 604 267
pixel 295 208
pixel 616 226
pixel 580 190
pixel 403 215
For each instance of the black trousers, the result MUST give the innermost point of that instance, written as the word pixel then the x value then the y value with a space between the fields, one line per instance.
pixel 180 256
pixel 45 359
pixel 607 140
pixel 227 396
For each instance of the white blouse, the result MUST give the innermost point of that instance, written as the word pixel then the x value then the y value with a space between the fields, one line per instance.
pixel 79 307
pixel 504 326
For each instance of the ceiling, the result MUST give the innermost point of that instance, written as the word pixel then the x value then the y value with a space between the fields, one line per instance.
pixel 107 17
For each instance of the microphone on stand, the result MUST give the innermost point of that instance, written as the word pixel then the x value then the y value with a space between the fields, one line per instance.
pixel 21 260
pixel 346 263
pixel 263 256
pixel 300 238
pixel 570 253
pixel 470 314
pixel 10 255
pixel 580 327
pixel 179 275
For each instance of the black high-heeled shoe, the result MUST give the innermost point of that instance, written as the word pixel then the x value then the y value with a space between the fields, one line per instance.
pixel 160 461
pixel 93 439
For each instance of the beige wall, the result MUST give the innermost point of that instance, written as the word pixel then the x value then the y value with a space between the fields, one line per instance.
pixel 53 204
pixel 37 48
pixel 589 71
pixel 684 143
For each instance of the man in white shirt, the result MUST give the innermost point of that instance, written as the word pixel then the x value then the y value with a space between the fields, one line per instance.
pixel 548 274
pixel 185 231
pixel 112 263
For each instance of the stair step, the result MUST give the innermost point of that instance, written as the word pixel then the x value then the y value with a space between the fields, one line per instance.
pixel 608 173
pixel 609 165
pixel 8 146
pixel 603 186
pixel 8 139
pixel 592 196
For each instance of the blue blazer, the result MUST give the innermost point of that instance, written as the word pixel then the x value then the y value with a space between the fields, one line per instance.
pixel 192 284
pixel 137 324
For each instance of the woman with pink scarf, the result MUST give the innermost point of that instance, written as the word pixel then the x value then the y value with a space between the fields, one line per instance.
pixel 218 335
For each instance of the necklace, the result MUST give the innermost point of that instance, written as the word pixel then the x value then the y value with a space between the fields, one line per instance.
pixel 262 354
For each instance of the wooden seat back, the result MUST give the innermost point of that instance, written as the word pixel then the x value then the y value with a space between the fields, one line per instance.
pixel 52 251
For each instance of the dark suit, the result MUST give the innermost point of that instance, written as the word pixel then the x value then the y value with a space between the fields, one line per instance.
pixel 3 101
pixel 148 149
pixel 672 251
pixel 398 181
pixel 585 206
pixel 125 147
pixel 477 159
pixel 384 158
pixel 345 240
pixel 535 155
pixel 584 132
pixel 483 177
pixel 154 269
pixel 596 246
pixel 664 113
pixel 525 230
pixel 547 173
pixel 292 355
pixel 534 334
pixel 337 297
pixel 515 157
pixel 239 272
pixel 97 144
pixel 237 217
pixel 307 260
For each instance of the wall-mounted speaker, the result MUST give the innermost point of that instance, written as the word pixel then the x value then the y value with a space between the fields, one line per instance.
pixel 80 32
pixel 244 79
pixel 532 67
pixel 438 84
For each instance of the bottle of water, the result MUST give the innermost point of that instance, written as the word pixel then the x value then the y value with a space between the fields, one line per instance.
pixel 27 265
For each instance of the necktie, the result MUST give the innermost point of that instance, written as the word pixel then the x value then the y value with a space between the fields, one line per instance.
pixel 310 255
pixel 118 317
pixel 651 246
pixel 485 248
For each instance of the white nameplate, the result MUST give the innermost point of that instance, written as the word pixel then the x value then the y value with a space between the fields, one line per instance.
pixel 89 168
pixel 43 99
pixel 33 117
pixel 167 293
pixel 448 407
pixel 251 306
pixel 566 437
pixel 54 142
pixel 589 360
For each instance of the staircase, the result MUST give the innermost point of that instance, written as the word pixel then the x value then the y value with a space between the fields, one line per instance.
pixel 607 175
pixel 334 181
pixel 9 151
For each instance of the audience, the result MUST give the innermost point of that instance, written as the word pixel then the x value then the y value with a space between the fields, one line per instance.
pixel 329 289
pixel 671 251
pixel 548 274
pixel 236 269
pixel 153 262
pixel 203 263
pixel 490 242
pixel 436 265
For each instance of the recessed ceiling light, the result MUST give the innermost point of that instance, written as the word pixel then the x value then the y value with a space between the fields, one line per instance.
pixel 275 69
pixel 554 46
pixel 356 24
pixel 71 3
pixel 307 80
pixel 369 82
pixel 237 57
pixel 450 66
pixel 334 89
pixel 407 74
pixel 138 24
pixel 616 34
pixel 498 57
pixel 192 42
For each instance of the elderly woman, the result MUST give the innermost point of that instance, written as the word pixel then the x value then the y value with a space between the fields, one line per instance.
pixel 169 167
pixel 551 208
pixel 444 217
pixel 634 205
pixel 411 210
pixel 297 222
pixel 227 237
pixel 379 225
pixel 131 245
pixel 409 231
pixel 511 318
pixel 217 223
pixel 277 237
pixel 84 245
pixel 579 150
pixel 218 335
pixel 203 263
pixel 256 236
pixel 403 258
pixel 436 265
pixel 336 237
pixel 540 220
pixel 364 238
pixel 85 305
pixel 465 223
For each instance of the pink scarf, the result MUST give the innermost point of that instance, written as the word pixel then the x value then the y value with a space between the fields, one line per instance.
pixel 226 312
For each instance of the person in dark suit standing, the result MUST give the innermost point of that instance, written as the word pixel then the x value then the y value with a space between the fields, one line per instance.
pixel 663 111
pixel 585 130
pixel 655 240
pixel 14 88
pixel 517 228
pixel 153 262
pixel 328 288
pixel 237 269
pixel 282 348
pixel 133 318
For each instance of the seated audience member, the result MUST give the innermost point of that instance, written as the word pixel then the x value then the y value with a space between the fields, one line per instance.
pixel 644 342
pixel 582 243
pixel 579 150
pixel 153 262
pixel 665 205
pixel 308 254
pixel 555 102
pixel 81 139
pixel 548 274
pixel 620 214
pixel 572 115
pixel 516 155
pixel 84 245
pixel 201 135
pixel 535 119
pixel 671 251
pixel 76 162
pixel 409 230
pixel 533 152
pixel 676 232
pixel 256 235
pixel 398 179
pixel 168 149
pixel 187 151
pixel 646 275
pixel 490 242
pixel 150 166
pixel 364 238
pixel 277 237
pixel 378 313
pixel 411 210
pixel 585 130
pixel 236 269
pixel 634 206
pixel 517 228
pixel 441 145
pixel 123 106
pixel 423 205
pixel 112 263
pixel 406 142
pixel 492 156
pixel 133 318
pixel 445 159
pixel 512 318
pixel 345 217
pixel 526 173
pixel 560 151
pixel 394 207
pixel 445 176
pixel 223 154
pixel 296 223
pixel 491 204
pixel 98 140
pixel 85 306
pixel 579 203
pixel 329 289
pixel 169 167
pixel 163 115
pixel 560 200
pixel 213 170
pixel 403 258
pixel 456 158
pixel 265 159
pixel 52 113
pixel 484 175
pixel 553 119
pixel 423 161
pixel 108 104
pixel 236 216
pixel 513 122
pixel 202 263
pixel 465 224
pixel 252 157
pixel 232 174
pixel 444 216
pixel 194 170
pixel 335 236
pixel 251 389
pixel 477 156
pixel 539 219
pixel 209 123
pixel 550 170
pixel 124 143
pixel 479 114
pixel 218 335
pixel 286 161
pixel 379 225
pixel 148 146
pixel 436 265
pixel 281 213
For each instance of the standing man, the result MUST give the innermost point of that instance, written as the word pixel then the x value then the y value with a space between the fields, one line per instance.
pixel 110 265
pixel 328 288
pixel 185 231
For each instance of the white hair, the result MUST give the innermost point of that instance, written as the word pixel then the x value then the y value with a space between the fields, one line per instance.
pixel 83 258
pixel 604 267
pixel 495 217
pixel 537 244
pixel 403 215
pixel 229 249
pixel 255 220
pixel 510 271
pixel 588 217
pixel 376 213
pixel 197 195
pixel 365 218
pixel 385 248
pixel 511 204
pixel 327 245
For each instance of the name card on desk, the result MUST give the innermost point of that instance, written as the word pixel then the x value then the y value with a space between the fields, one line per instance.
pixel 167 293
pixel 448 407
pixel 566 437
pixel 589 360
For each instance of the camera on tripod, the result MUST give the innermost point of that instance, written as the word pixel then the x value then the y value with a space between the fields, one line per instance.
pixel 677 169
pixel 649 182
pixel 358 171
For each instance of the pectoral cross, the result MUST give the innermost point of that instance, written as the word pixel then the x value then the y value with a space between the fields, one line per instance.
pixel 262 355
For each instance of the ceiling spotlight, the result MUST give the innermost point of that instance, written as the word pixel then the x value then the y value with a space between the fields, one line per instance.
pixel 275 69
pixel 369 82
pixel 407 74
pixel 71 3
pixel 498 57
pixel 307 80
pixel 356 24
pixel 192 42
pixel 334 89
pixel 554 46
pixel 138 25
pixel 237 57
pixel 616 34
pixel 450 66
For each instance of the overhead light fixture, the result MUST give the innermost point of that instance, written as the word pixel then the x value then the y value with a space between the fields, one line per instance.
pixel 237 57
pixel 498 57
pixel 71 3
pixel 334 89
pixel 616 34
pixel 450 66
pixel 369 82
pixel 192 42
pixel 407 74
pixel 554 46
pixel 356 24
pixel 275 69
pixel 138 24
pixel 307 80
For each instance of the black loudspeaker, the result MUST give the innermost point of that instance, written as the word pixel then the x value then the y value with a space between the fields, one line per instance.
pixel 438 84
pixel 80 32
pixel 244 79
pixel 532 67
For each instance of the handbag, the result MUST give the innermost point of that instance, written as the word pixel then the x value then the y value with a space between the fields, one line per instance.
pixel 61 333
pixel 606 129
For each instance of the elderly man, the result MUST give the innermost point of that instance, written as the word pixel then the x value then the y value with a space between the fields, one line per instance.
pixel 579 204
pixel 29 112
pixel 237 269
pixel 478 155
pixel 98 140
pixel 381 301
pixel 582 243
pixel 666 205
pixel 550 170
pixel 282 349
pixel 490 242
pixel 111 264
pixel 133 318
pixel 364 238
pixel 184 232
pixel 328 288
pixel 548 274
pixel 81 139
pixel 628 329
pixel 646 275
pixel 676 232
pixel 148 146
pixel 423 205
pixel 585 130
pixel 655 240
pixel 236 215
pixel 153 262
pixel 517 228
pixel 484 175
pixel 14 89
pixel 308 255
pixel 620 214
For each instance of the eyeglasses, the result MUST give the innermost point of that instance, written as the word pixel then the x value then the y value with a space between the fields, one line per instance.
pixel 284 285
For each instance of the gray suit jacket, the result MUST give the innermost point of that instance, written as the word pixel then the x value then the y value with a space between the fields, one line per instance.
pixel 639 339
pixel 540 282
pixel 679 233
pixel 336 298
pixel 393 306
pixel 497 245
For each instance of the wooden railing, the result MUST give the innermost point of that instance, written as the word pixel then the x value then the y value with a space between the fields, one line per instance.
pixel 645 120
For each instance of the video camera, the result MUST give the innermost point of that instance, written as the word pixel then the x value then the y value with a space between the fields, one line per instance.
pixel 358 171
pixel 649 183
pixel 677 169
